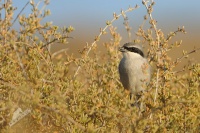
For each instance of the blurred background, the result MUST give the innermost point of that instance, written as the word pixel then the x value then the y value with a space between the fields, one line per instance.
pixel 88 16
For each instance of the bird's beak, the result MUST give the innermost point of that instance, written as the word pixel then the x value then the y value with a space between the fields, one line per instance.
pixel 121 49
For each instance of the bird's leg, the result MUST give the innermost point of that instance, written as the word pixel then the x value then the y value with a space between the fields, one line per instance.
pixel 135 99
pixel 139 100
pixel 131 99
pixel 131 96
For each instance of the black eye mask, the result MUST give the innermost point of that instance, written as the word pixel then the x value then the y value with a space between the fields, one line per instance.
pixel 135 50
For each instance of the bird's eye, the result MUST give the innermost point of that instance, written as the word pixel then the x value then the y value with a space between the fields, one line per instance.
pixel 127 48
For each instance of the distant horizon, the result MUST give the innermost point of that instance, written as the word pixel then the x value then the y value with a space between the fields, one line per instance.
pixel 88 16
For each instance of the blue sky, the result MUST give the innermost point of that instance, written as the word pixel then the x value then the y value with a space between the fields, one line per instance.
pixel 87 16
pixel 68 11
pixel 94 13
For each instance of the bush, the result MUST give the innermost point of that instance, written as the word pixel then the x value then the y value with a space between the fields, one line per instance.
pixel 90 99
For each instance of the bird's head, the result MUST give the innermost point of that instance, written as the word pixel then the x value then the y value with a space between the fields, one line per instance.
pixel 132 48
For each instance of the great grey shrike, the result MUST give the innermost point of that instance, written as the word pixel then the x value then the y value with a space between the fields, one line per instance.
pixel 134 70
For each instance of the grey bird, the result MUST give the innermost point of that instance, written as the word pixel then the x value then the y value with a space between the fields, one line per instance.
pixel 134 71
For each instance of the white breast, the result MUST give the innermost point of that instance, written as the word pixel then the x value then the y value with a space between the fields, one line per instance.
pixel 134 72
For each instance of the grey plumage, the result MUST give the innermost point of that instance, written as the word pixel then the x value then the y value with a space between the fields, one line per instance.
pixel 134 69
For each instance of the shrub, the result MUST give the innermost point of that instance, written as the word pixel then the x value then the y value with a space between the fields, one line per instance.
pixel 90 99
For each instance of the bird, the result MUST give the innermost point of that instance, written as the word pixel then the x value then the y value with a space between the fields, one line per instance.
pixel 134 71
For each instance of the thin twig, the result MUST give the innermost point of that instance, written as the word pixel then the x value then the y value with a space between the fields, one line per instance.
pixel 58 52
pixel 174 33
pixel 127 27
pixel 40 12
pixel 158 44
pixel 185 55
pixel 52 41
pixel 18 15
pixel 32 29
